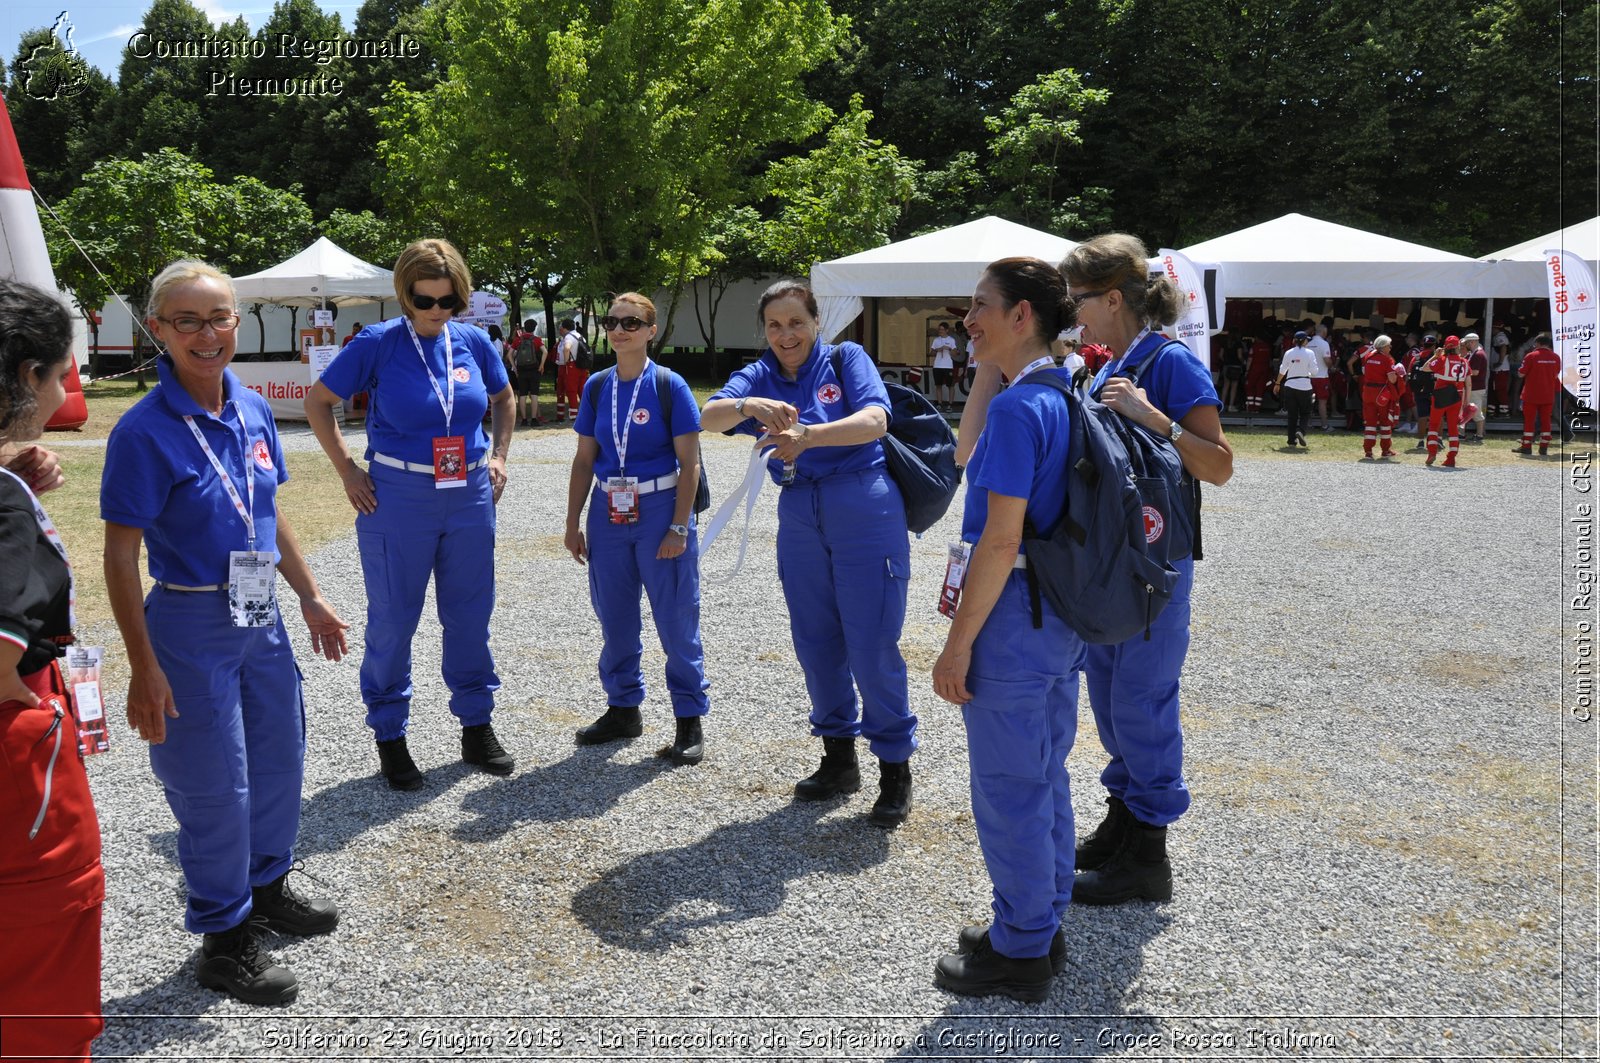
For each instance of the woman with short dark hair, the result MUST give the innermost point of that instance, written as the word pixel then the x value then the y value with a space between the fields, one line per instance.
pixel 52 886
pixel 425 505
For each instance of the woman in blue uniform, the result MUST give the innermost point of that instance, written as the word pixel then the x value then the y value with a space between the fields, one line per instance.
pixel 639 465
pixel 425 503
pixel 843 552
pixel 52 886
pixel 193 471
pixel 1017 684
pixel 1133 687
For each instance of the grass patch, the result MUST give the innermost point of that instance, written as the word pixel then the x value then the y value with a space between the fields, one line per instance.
pixel 108 400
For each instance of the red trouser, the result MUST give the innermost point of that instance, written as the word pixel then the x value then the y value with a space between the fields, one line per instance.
pixel 1448 418
pixel 51 884
pixel 1536 416
pixel 1377 423
pixel 569 389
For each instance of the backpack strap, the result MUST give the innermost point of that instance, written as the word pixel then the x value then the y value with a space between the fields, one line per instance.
pixel 664 395
pixel 836 356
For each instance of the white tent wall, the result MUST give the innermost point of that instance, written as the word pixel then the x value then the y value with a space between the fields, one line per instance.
pixel 1521 267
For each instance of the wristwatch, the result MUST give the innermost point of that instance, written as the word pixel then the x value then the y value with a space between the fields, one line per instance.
pixel 1175 433
pixel 679 529
pixel 738 405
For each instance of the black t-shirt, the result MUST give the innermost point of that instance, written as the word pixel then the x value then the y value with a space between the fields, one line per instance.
pixel 34 582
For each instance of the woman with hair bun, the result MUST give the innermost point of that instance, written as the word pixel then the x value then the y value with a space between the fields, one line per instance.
pixel 1016 683
pixel 1133 687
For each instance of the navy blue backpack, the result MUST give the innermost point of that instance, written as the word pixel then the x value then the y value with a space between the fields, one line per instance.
pixel 920 452
pixel 1106 567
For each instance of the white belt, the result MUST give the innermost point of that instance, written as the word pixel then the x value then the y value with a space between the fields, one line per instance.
pixel 646 487
pixel 412 466
pixel 1021 561
pixel 192 590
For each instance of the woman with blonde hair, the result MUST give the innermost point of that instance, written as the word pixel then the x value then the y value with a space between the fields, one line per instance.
pixel 192 472
pixel 425 503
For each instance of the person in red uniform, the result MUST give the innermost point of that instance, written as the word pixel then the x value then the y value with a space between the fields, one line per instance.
pixel 1095 356
pixel 1541 376
pixel 1500 378
pixel 1380 395
pixel 1450 374
pixel 1258 375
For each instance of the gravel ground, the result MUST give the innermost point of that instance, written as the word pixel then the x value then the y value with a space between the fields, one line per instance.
pixel 1373 865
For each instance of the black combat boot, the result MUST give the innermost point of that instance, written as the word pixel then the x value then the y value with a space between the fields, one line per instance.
pixel 983 972
pixel 233 962
pixel 394 759
pixel 1138 871
pixel 978 933
pixel 618 723
pixel 894 794
pixel 688 745
pixel 480 746
pixel 1104 841
pixel 839 773
pixel 283 909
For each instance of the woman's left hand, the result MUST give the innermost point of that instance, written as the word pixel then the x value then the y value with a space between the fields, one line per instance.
pixel 672 545
pixel 1120 394
pixel 497 477
pixel 327 629
pixel 950 675
pixel 41 468
pixel 787 445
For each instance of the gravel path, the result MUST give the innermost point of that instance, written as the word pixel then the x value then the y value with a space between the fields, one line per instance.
pixel 1372 867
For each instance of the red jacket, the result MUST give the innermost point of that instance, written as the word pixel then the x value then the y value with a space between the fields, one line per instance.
pixel 1541 375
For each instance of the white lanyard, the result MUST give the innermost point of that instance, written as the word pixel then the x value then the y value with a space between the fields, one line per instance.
pixel 1131 348
pixel 47 526
pixel 621 438
pixel 249 514
pixel 448 405
pixel 1047 362
pixel 755 476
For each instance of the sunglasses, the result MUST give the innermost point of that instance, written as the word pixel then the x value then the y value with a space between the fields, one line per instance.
pixel 1079 297
pixel 626 324
pixel 428 302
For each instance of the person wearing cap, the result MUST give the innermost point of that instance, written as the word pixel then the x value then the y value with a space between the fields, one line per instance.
pixel 1420 381
pixel 1500 377
pixel 638 466
pixel 1478 394
pixel 192 474
pixel 1450 375
pixel 1380 395
pixel 1541 379
pixel 1293 387
pixel 425 504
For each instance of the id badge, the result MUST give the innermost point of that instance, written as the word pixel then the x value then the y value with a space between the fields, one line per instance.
pixel 449 461
pixel 251 575
pixel 955 575
pixel 83 676
pixel 622 499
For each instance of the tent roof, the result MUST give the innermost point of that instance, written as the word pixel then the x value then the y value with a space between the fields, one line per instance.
pixel 1299 256
pixel 323 271
pixel 935 265
pixel 1582 239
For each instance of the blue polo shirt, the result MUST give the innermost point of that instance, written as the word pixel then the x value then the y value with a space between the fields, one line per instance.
pixel 158 479
pixel 650 451
pixel 1175 380
pixel 821 397
pixel 1022 453
pixel 403 413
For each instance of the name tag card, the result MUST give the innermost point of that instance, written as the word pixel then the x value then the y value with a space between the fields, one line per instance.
pixel 622 499
pixel 955 576
pixel 251 574
pixel 450 461
pixel 83 675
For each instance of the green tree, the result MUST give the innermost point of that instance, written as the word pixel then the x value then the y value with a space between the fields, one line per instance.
pixel 159 99
pixel 262 226
pixel 367 236
pixel 1033 136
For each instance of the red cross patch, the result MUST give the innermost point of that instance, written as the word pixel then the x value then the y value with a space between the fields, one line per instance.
pixel 641 416
pixel 1154 525
pixel 1583 297
pixel 829 394
pixel 461 374
pixel 262 455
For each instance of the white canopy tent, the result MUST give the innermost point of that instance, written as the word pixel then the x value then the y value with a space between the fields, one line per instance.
pixel 322 274
pixel 1521 269
pixel 1296 256
pixel 938 265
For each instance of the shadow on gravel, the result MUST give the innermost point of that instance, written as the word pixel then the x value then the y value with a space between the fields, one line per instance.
pixel 584 786
pixel 741 871
pixel 1083 1016
pixel 339 815
pixel 161 1014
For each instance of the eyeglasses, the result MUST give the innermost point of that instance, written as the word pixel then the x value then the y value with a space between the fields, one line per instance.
pixel 1079 297
pixel 220 323
pixel 428 302
pixel 626 324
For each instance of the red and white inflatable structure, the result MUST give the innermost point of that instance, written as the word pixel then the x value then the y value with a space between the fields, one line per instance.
pixel 23 254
